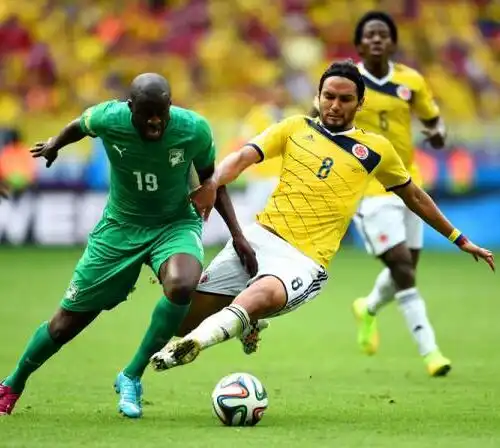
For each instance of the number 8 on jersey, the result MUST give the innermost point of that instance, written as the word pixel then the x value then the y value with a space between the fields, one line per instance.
pixel 324 169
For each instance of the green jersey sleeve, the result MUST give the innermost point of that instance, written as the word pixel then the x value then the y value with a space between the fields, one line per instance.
pixel 205 143
pixel 93 120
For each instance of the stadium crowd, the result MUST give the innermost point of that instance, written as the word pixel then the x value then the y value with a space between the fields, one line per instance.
pixel 57 55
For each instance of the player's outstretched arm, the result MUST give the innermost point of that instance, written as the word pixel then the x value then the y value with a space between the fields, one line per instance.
pixel 224 206
pixel 241 246
pixel 235 163
pixel 228 170
pixel 421 204
pixel 70 134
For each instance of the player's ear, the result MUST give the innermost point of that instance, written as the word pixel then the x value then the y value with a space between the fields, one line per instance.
pixel 360 104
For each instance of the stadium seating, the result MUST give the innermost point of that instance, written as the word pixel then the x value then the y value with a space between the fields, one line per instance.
pixel 57 57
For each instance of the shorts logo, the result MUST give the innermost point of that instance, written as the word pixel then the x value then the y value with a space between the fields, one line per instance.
pixel 404 93
pixel 71 292
pixel 383 238
pixel 176 156
pixel 360 151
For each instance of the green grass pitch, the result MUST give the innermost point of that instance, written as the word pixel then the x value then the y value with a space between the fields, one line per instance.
pixel 322 391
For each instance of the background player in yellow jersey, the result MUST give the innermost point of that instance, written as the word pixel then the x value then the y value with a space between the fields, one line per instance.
pixel 391 231
pixel 327 164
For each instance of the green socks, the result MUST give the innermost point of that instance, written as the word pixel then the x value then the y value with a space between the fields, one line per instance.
pixel 40 348
pixel 165 321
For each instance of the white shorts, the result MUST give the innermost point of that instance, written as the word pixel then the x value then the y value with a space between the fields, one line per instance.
pixel 302 277
pixel 385 221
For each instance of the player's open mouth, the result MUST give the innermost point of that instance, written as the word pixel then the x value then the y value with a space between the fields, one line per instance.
pixel 153 130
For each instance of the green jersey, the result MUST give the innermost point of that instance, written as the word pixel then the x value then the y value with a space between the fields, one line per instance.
pixel 150 179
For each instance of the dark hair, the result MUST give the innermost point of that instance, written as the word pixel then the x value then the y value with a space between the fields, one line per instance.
pixel 345 69
pixel 375 15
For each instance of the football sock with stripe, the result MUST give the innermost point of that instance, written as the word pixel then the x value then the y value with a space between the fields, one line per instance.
pixel 231 321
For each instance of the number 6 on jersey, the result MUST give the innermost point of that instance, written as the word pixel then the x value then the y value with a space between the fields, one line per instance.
pixel 148 180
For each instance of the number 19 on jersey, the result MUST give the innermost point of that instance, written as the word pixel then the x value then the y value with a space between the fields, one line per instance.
pixel 146 181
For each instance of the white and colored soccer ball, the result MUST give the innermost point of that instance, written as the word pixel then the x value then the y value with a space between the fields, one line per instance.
pixel 239 399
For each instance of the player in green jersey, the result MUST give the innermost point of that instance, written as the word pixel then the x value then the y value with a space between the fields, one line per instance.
pixel 148 219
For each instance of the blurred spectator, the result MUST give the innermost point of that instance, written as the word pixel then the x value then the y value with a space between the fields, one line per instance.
pixel 17 167
pixel 58 56
pixel 157 5
pixel 14 37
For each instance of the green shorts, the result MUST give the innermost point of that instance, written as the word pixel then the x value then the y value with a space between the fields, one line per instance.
pixel 110 266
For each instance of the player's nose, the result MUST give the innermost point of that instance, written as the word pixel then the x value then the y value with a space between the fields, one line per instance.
pixel 335 106
pixel 154 120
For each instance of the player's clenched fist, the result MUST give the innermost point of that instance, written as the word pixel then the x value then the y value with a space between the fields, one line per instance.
pixel 203 198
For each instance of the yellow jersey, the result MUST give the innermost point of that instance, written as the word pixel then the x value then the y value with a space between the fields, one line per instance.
pixel 323 178
pixel 257 120
pixel 388 108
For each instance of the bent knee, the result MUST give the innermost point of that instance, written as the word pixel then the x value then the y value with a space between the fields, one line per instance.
pixel 179 288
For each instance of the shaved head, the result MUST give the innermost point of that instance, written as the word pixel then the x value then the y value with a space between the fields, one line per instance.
pixel 150 85
pixel 150 100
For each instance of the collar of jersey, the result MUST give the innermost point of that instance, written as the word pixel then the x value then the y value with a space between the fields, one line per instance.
pixel 349 131
pixel 374 79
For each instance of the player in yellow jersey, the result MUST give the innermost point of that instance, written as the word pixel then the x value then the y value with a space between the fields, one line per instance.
pixel 390 230
pixel 327 165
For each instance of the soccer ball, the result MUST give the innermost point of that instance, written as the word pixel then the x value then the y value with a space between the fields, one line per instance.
pixel 239 399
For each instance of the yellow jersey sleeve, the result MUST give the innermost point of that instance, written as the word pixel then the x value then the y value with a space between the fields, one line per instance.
pixel 272 142
pixel 424 105
pixel 391 172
